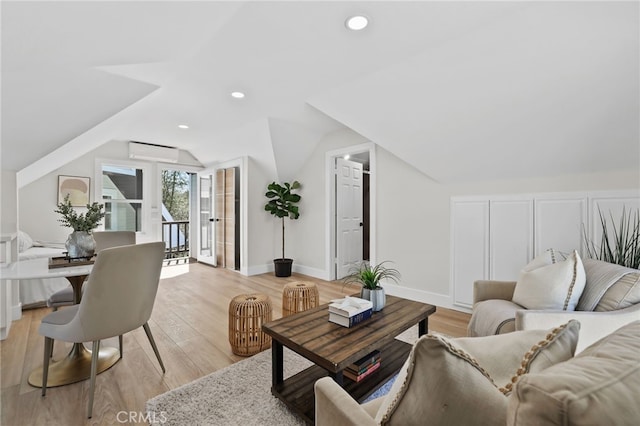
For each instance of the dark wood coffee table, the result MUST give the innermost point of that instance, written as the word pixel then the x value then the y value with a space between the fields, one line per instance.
pixel 332 348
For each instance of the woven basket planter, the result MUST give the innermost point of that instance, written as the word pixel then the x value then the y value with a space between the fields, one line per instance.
pixel 299 296
pixel 247 313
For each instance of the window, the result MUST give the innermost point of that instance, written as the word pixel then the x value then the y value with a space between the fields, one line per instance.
pixel 122 195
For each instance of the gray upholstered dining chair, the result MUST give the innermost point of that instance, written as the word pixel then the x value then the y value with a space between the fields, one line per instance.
pixel 118 298
pixel 104 239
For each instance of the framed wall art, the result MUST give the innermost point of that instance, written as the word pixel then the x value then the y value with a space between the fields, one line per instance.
pixel 77 187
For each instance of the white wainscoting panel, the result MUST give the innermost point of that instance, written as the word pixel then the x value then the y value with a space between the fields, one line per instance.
pixel 470 248
pixel 510 237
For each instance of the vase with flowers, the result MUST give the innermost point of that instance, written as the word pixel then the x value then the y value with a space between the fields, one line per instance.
pixel 80 243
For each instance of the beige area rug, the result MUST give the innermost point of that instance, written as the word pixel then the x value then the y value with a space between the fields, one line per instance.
pixel 237 395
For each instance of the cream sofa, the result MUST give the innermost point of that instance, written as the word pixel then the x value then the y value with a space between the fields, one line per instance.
pixel 611 298
pixel 458 382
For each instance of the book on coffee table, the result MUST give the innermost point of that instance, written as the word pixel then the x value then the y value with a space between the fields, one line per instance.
pixel 352 320
pixel 349 306
pixel 365 362
pixel 361 376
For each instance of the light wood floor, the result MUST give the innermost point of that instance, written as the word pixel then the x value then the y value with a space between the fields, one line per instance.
pixel 189 323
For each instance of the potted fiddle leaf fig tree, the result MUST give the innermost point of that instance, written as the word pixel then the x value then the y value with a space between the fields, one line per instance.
pixel 283 203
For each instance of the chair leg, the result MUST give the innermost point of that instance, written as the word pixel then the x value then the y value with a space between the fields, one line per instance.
pixel 153 344
pixel 120 343
pixel 48 350
pixel 95 350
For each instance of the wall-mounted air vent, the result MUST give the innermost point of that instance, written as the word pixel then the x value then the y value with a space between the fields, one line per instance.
pixel 151 152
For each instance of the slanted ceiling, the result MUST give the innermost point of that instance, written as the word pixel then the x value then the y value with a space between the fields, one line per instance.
pixel 460 90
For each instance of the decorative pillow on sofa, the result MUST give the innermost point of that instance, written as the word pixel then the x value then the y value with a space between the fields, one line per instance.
pixel 600 386
pixel 464 381
pixel 557 285
pixel 25 242
pixel 622 294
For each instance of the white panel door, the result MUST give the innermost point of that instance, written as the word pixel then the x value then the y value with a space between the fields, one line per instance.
pixel 348 215
pixel 559 222
pixel 470 245
pixel 511 238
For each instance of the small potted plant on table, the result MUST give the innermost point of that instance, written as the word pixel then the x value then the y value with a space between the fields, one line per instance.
pixel 370 277
pixel 80 243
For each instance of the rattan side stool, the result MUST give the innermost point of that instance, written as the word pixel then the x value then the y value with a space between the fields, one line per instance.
pixel 299 296
pixel 247 313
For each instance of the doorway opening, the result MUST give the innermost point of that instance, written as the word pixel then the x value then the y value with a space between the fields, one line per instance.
pixel 177 188
pixel 222 216
pixel 351 208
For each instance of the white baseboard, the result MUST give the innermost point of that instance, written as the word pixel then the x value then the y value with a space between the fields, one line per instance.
pixel 300 269
pixel 442 300
pixel 312 272
pixel 259 269
pixel 16 312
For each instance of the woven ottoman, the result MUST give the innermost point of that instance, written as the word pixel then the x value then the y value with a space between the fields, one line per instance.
pixel 247 313
pixel 299 296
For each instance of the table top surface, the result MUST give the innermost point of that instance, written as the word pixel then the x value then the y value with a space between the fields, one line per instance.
pixel 333 346
pixel 39 268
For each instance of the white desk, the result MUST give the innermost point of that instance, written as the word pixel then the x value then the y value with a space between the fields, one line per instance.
pixel 76 366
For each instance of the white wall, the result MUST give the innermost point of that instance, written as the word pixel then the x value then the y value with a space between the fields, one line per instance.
pixel 306 242
pixel 38 200
pixel 8 202
pixel 413 228
pixel 263 230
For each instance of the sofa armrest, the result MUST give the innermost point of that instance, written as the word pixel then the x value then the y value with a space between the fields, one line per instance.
pixel 593 325
pixel 334 406
pixel 492 289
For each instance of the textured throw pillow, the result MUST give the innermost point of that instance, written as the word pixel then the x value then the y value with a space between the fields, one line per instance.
pixel 24 241
pixel 622 294
pixel 464 381
pixel 557 285
pixel 600 386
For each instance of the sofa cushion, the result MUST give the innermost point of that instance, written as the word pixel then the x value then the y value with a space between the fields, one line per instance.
pixel 551 286
pixel 464 381
pixel 601 276
pixel 622 294
pixel 494 316
pixel 600 386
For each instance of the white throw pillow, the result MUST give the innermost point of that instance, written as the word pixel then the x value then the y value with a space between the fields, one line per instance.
pixel 24 241
pixel 555 285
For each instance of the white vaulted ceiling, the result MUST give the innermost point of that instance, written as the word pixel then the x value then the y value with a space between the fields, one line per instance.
pixel 460 90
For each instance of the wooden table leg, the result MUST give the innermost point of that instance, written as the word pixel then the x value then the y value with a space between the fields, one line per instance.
pixel 76 283
pixel 338 377
pixel 277 363
pixel 423 327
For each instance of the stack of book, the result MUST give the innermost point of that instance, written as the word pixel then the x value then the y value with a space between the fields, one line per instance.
pixel 363 367
pixel 350 311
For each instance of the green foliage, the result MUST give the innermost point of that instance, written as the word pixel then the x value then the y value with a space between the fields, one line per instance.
pixel 370 276
pixel 80 222
pixel 282 202
pixel 621 244
pixel 175 193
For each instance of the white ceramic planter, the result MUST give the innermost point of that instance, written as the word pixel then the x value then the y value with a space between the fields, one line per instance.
pixel 377 297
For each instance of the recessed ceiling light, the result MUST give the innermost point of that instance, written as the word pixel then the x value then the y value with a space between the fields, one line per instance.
pixel 183 126
pixel 357 22
pixel 347 156
pixel 237 95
